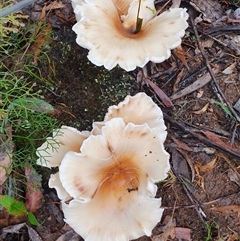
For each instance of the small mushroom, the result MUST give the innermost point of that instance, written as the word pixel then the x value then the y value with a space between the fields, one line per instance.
pixel 65 139
pixel 112 180
pixel 127 33
pixel 52 151
pixel 137 109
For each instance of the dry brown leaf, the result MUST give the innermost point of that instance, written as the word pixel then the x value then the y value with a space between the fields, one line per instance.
pixel 33 235
pixel 42 16
pixel 5 164
pixel 233 177
pixel 199 83
pixel 42 39
pixel 227 209
pixel 7 219
pixel 215 138
pixel 165 99
pixel 183 234
pixel 167 230
pixel 211 10
pixel 178 79
pixel 6 148
pixel 189 161
pixel 207 167
pixel 198 112
pixel 208 43
pixel 181 144
pixel 33 192
pixel 11 229
pixel 181 54
pixel 233 237
pixel 200 94
pixel 201 170
pixel 55 5
pixel 69 236
pixel 230 69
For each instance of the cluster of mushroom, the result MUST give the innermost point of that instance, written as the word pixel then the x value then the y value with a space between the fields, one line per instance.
pixel 106 179
pixel 128 33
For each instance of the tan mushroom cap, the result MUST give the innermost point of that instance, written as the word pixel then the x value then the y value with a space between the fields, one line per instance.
pixel 134 152
pixel 137 109
pixel 107 217
pixel 98 31
pixel 54 182
pixel 65 139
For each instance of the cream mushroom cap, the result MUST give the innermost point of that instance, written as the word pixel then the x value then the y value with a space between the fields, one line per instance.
pixel 64 139
pixel 52 151
pixel 112 180
pixel 137 109
pixel 54 182
pixel 132 151
pixel 111 39
pixel 109 219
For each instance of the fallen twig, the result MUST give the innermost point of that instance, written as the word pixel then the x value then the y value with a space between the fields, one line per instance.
pixel 183 127
pixel 203 204
pixel 193 87
pixel 165 99
pixel 189 78
pixel 196 205
pixel 222 29
pixel 221 96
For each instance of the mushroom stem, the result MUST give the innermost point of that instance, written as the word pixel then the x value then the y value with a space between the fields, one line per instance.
pixel 139 21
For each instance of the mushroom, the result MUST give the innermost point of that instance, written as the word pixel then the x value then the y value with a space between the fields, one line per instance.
pixel 112 181
pixel 137 109
pixel 127 33
pixel 75 5
pixel 111 220
pixel 52 151
pixel 64 139
pixel 54 182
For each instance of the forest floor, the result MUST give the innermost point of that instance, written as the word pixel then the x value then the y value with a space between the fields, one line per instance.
pixel 201 197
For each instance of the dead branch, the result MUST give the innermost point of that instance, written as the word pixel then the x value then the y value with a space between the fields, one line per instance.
pixel 206 141
pixel 205 203
pixel 222 29
pixel 220 96
pixel 195 204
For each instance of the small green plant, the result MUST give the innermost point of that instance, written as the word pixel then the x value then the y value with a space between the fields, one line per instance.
pixel 27 114
pixel 223 107
pixel 210 227
pixel 17 208
pixel 179 110
pixel 26 119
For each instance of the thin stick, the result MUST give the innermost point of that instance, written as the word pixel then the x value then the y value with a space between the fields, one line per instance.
pixel 202 204
pixel 183 127
pixel 196 205
pixel 222 96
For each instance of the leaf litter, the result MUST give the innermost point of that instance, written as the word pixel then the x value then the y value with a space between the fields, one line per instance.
pixel 220 184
